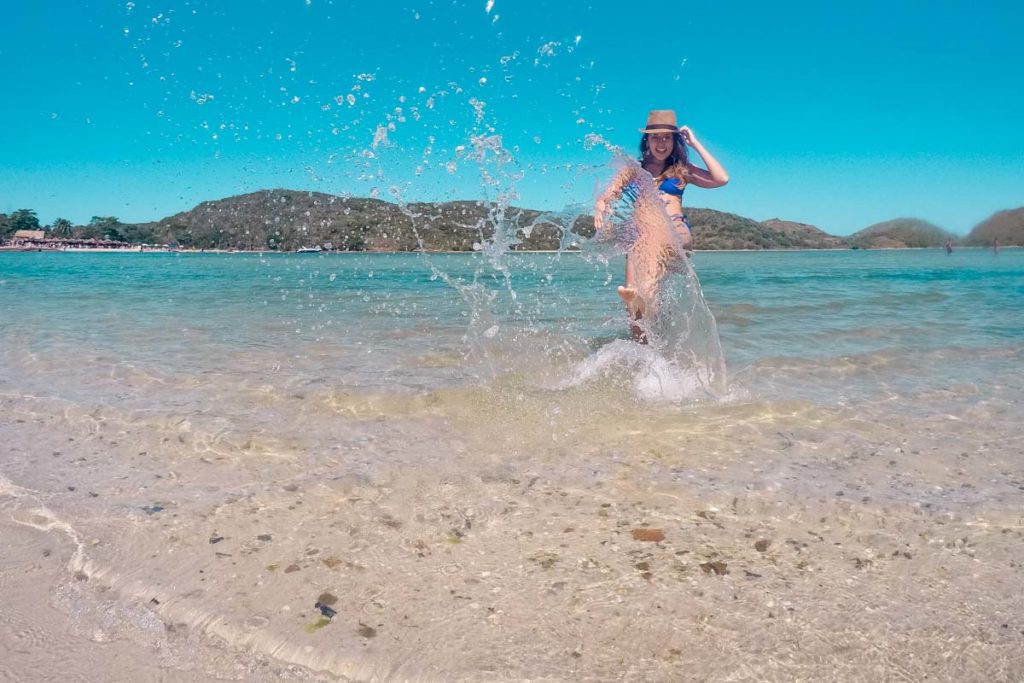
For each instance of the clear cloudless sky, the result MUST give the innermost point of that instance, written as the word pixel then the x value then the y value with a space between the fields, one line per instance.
pixel 835 114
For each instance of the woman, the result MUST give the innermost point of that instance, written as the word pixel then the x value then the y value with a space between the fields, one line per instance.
pixel 663 156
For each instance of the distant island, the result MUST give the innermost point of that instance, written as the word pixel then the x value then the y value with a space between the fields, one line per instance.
pixel 289 220
pixel 901 233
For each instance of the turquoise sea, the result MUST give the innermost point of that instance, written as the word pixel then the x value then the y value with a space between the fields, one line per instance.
pixel 827 326
pixel 456 447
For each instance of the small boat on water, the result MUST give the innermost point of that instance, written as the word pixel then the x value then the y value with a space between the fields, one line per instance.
pixel 309 250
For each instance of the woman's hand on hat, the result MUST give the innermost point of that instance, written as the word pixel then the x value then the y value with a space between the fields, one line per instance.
pixel 688 136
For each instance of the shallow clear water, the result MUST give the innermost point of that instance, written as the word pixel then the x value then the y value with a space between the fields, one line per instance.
pixel 459 452
pixel 827 325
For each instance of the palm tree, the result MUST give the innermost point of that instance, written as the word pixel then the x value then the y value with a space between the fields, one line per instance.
pixel 61 228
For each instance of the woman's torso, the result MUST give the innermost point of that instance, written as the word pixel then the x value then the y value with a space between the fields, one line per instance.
pixel 674 201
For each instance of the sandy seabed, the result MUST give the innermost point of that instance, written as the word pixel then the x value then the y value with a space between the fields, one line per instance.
pixel 423 542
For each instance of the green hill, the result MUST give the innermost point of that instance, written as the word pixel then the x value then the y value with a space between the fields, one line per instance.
pixel 806 236
pixel 1006 226
pixel 287 220
pixel 899 234
pixel 721 230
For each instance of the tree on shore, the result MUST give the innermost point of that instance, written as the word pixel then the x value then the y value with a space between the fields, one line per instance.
pixel 104 227
pixel 24 219
pixel 61 228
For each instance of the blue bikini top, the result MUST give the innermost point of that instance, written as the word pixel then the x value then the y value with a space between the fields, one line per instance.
pixel 672 186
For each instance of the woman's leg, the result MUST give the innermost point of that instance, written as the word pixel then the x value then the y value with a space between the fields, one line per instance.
pixel 634 303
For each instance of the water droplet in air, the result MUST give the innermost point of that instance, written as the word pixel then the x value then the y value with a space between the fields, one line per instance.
pixel 548 49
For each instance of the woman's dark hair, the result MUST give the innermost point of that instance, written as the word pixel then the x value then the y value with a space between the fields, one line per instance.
pixel 678 155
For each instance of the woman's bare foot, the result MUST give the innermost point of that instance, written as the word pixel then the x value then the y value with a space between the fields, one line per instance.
pixel 634 302
pixel 635 308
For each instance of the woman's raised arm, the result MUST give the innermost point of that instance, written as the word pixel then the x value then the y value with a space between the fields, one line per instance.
pixel 715 175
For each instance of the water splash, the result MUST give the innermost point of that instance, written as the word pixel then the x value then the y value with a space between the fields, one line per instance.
pixel 676 320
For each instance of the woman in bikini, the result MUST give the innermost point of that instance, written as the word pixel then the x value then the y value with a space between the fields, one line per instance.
pixel 664 158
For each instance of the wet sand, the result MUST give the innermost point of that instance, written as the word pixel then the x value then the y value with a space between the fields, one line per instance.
pixel 452 539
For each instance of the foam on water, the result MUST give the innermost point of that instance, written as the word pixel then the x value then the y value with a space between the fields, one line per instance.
pixel 652 376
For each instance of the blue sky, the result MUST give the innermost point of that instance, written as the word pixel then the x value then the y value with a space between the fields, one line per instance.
pixel 835 114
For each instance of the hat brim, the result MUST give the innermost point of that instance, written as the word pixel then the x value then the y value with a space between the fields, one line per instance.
pixel 660 128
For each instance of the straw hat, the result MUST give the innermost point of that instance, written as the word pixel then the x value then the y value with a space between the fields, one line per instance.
pixel 660 120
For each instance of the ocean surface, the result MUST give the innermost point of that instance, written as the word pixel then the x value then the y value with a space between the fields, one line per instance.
pixel 212 443
pixel 830 327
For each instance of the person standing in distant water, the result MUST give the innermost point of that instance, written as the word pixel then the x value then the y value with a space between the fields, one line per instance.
pixel 995 246
pixel 949 246
pixel 663 155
